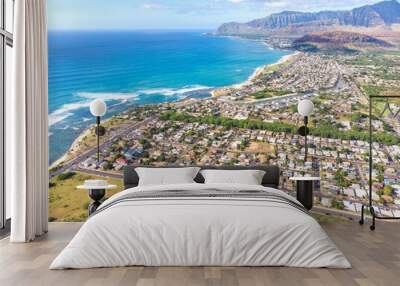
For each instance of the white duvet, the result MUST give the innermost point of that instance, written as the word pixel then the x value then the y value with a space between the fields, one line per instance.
pixel 200 232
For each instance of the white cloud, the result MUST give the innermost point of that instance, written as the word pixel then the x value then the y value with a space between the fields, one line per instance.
pixel 268 3
pixel 152 6
pixel 304 5
pixel 276 4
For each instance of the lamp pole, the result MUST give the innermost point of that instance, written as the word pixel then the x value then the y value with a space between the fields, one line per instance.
pixel 305 138
pixel 100 131
pixel 98 138
pixel 305 108
pixel 98 108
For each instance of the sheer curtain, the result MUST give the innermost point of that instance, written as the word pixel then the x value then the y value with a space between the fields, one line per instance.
pixel 27 124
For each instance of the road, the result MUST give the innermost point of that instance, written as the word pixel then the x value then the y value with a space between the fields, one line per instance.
pixel 99 173
pixel 73 164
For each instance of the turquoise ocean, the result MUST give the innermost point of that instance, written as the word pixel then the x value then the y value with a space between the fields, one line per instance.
pixel 128 68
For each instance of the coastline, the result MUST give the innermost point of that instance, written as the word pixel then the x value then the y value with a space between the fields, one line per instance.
pixel 74 145
pixel 258 71
pixel 213 93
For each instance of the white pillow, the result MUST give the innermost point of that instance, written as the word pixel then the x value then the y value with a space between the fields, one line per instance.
pixel 244 177
pixel 166 176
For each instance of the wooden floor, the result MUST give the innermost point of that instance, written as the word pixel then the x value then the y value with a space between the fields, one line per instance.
pixel 375 257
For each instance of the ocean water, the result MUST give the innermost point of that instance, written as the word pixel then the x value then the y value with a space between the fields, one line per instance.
pixel 138 67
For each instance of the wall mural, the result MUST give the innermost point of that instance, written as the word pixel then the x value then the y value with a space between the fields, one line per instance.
pixel 185 85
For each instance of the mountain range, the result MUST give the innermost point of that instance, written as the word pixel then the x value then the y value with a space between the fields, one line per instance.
pixel 296 24
pixel 338 41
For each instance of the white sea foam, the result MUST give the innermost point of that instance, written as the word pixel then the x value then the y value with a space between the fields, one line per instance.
pixel 65 111
pixel 173 91
pixel 269 46
pixel 65 127
pixel 108 95
pixel 58 116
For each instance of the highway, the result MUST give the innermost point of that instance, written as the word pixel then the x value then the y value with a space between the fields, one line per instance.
pixel 99 173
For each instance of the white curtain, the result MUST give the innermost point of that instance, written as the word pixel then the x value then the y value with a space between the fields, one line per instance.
pixel 28 154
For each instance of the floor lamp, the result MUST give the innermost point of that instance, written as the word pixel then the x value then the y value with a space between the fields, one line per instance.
pixel 305 184
pixel 370 206
pixel 305 108
pixel 98 108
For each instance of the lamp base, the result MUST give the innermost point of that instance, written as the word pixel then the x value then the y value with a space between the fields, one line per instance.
pixel 304 193
pixel 100 130
pixel 303 131
pixel 96 195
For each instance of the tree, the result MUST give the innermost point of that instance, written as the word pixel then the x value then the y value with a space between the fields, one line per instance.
pixel 388 190
pixel 243 144
pixel 323 130
pixel 65 176
pixel 161 158
pixel 107 166
pixel 341 180
pixel 338 205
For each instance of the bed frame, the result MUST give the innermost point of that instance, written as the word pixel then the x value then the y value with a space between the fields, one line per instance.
pixel 270 179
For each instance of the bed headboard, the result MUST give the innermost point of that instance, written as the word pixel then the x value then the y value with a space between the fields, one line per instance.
pixel 271 177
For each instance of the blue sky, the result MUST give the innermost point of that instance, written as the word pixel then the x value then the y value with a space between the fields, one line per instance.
pixel 174 14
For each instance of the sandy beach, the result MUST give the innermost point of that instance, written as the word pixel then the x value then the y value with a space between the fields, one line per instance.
pixel 255 75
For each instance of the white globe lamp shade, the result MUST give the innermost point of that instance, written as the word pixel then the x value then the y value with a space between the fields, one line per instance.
pixel 98 107
pixel 305 107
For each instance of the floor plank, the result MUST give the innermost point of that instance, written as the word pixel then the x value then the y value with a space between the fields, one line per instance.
pixel 375 257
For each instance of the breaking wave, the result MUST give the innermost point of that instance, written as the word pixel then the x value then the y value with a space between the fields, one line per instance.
pixel 68 109
pixel 65 111
pixel 186 90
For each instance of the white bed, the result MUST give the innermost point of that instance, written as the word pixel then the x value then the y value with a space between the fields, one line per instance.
pixel 200 231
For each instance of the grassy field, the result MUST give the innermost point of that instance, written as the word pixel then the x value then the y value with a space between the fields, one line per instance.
pixel 386 59
pixel 66 203
pixel 268 93
pixel 322 218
